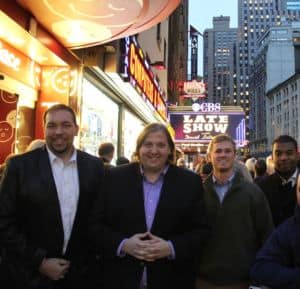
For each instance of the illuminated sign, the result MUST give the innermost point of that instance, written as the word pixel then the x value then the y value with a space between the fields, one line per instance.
pixel 194 89
pixel 9 59
pixel 202 127
pixel 138 72
pixel 19 66
pixel 206 107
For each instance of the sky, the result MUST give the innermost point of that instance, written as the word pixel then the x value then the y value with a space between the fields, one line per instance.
pixel 201 13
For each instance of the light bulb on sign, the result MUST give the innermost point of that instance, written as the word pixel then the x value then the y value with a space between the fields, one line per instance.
pixel 196 107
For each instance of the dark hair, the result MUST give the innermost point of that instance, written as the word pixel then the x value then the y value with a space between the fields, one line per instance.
pixel 156 127
pixel 105 149
pixel 122 161
pixel 260 167
pixel 285 139
pixel 60 106
pixel 206 168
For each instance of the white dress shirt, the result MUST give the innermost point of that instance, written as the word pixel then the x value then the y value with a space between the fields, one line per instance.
pixel 292 179
pixel 67 186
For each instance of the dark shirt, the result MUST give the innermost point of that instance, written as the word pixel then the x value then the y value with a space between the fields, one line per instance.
pixel 281 197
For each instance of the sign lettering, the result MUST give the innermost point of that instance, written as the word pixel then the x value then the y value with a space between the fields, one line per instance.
pixel 201 127
pixel 140 75
pixel 9 59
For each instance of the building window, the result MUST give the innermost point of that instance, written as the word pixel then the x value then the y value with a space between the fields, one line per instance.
pixel 158 34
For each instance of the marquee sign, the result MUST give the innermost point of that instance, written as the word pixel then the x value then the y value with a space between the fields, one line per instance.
pixel 136 69
pixel 194 89
pixel 191 127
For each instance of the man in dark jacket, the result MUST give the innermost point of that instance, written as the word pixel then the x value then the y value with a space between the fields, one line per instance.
pixel 151 221
pixel 45 199
pixel 278 263
pixel 240 218
pixel 280 187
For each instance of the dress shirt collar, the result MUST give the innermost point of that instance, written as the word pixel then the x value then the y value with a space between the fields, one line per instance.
pixel 291 180
pixel 53 158
pixel 162 173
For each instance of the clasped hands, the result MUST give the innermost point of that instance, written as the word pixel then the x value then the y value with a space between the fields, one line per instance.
pixel 54 268
pixel 147 246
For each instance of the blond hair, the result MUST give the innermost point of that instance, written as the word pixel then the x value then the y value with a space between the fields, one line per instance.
pixel 220 138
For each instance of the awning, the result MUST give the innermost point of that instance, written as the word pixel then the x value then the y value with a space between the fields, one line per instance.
pixel 83 23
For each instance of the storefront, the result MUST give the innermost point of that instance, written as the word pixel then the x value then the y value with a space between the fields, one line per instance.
pixel 132 127
pixel 142 87
pixel 32 78
pixel 115 107
pixel 99 118
pixel 106 117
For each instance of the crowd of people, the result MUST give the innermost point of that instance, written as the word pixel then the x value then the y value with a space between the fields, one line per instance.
pixel 69 220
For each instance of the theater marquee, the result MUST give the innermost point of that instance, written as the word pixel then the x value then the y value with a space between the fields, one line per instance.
pixel 195 127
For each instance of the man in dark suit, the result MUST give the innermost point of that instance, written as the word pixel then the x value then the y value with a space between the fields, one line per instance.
pixel 150 222
pixel 45 199
pixel 280 187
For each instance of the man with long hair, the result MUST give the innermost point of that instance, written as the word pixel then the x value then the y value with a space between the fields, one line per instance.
pixel 150 222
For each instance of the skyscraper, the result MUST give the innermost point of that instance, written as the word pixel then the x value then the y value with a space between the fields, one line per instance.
pixel 177 51
pixel 219 59
pixel 254 18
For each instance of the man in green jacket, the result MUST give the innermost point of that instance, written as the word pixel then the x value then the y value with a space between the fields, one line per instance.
pixel 240 218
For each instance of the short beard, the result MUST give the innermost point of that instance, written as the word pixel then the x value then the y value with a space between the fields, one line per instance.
pixel 58 152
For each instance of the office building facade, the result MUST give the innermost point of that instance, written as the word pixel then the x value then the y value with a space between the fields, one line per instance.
pixel 219 61
pixel 255 17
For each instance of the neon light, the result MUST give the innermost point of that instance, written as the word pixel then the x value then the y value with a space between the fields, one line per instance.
pixel 201 127
pixel 138 73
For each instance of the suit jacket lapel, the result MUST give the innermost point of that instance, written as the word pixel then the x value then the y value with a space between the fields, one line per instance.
pixel 164 199
pixel 138 197
pixel 82 180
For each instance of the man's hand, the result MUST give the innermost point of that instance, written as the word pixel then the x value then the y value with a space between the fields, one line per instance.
pixel 136 245
pixel 157 248
pixel 54 268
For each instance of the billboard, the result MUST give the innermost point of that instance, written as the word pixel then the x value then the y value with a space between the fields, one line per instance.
pixel 201 127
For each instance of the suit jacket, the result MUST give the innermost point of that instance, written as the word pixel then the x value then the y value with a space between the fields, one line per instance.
pixel 180 217
pixel 282 200
pixel 30 219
